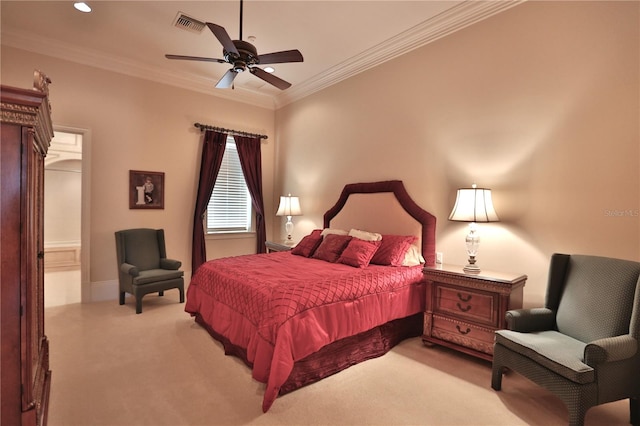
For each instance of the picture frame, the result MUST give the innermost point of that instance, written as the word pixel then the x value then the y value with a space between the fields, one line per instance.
pixel 146 190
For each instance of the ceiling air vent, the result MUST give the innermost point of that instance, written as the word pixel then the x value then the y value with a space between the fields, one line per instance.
pixel 188 23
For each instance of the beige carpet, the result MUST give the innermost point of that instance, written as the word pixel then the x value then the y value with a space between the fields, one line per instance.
pixel 113 367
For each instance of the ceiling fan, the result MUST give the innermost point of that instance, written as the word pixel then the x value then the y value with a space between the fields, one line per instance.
pixel 243 56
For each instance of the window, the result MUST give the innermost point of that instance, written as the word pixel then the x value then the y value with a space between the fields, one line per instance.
pixel 229 208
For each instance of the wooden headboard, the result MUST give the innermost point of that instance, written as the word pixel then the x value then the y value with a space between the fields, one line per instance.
pixel 387 208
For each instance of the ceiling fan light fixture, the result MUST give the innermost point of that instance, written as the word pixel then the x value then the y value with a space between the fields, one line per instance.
pixel 243 56
pixel 82 6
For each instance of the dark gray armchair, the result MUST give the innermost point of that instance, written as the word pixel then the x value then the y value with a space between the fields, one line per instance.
pixel 583 346
pixel 143 266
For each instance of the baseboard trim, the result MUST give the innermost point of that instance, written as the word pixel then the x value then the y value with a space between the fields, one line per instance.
pixel 104 290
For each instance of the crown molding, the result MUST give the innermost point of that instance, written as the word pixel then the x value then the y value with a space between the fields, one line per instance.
pixel 452 20
pixel 447 22
pixel 101 60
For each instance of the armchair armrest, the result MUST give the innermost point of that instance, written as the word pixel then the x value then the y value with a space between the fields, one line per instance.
pixel 528 320
pixel 171 264
pixel 610 349
pixel 129 269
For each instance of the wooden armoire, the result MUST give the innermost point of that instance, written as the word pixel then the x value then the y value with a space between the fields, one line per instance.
pixel 25 133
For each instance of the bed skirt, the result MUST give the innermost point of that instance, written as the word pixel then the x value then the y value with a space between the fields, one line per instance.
pixel 338 355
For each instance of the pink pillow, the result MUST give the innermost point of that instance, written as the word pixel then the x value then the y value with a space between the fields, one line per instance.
pixel 359 252
pixel 331 247
pixel 393 249
pixel 308 244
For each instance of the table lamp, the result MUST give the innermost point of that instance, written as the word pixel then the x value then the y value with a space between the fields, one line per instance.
pixel 473 205
pixel 289 206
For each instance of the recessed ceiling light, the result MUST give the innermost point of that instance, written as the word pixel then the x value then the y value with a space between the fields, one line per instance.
pixel 82 7
pixel 269 69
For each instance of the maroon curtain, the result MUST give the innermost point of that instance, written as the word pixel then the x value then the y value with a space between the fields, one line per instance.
pixel 251 162
pixel 212 153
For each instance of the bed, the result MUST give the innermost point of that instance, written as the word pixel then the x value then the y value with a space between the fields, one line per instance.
pixel 332 302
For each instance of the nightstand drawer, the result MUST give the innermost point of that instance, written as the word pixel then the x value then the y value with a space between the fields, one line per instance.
pixel 462 311
pixel 462 333
pixel 476 306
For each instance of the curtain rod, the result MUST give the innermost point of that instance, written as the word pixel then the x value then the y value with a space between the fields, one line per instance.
pixel 204 127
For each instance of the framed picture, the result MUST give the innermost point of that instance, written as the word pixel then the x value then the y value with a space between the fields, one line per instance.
pixel 146 190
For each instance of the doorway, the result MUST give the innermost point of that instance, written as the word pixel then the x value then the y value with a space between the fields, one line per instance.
pixel 64 220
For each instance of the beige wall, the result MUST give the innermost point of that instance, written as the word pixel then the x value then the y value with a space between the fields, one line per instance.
pixel 140 125
pixel 539 103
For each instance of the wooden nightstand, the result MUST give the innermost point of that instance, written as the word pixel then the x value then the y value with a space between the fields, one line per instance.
pixel 464 310
pixel 272 246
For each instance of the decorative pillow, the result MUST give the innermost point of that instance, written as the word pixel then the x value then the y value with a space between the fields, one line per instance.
pixel 364 235
pixel 308 244
pixel 393 249
pixel 358 252
pixel 327 231
pixel 331 247
pixel 413 257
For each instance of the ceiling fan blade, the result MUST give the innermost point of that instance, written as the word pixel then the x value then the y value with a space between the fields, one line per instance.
pixel 227 80
pixel 270 78
pixel 281 57
pixel 223 37
pixel 195 58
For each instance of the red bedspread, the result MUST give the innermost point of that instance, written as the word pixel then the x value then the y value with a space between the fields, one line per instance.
pixel 282 307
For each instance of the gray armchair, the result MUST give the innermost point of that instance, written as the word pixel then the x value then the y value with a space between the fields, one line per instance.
pixel 583 346
pixel 143 266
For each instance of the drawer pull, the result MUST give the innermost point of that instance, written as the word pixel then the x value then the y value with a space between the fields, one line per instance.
pixel 465 309
pixel 464 299
pixel 462 332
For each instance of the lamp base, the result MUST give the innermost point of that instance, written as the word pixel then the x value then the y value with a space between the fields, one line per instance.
pixel 289 227
pixel 471 267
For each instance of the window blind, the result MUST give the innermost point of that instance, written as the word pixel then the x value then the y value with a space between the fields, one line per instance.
pixel 229 208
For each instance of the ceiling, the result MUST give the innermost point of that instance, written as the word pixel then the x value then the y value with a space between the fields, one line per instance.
pixel 338 39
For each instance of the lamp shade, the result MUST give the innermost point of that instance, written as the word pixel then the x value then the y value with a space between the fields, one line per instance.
pixel 474 205
pixel 289 206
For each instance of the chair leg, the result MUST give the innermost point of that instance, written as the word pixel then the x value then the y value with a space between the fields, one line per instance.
pixel 576 419
pixel 496 378
pixel 122 297
pixel 181 294
pixel 576 416
pixel 634 409
pixel 138 304
pixel 161 293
